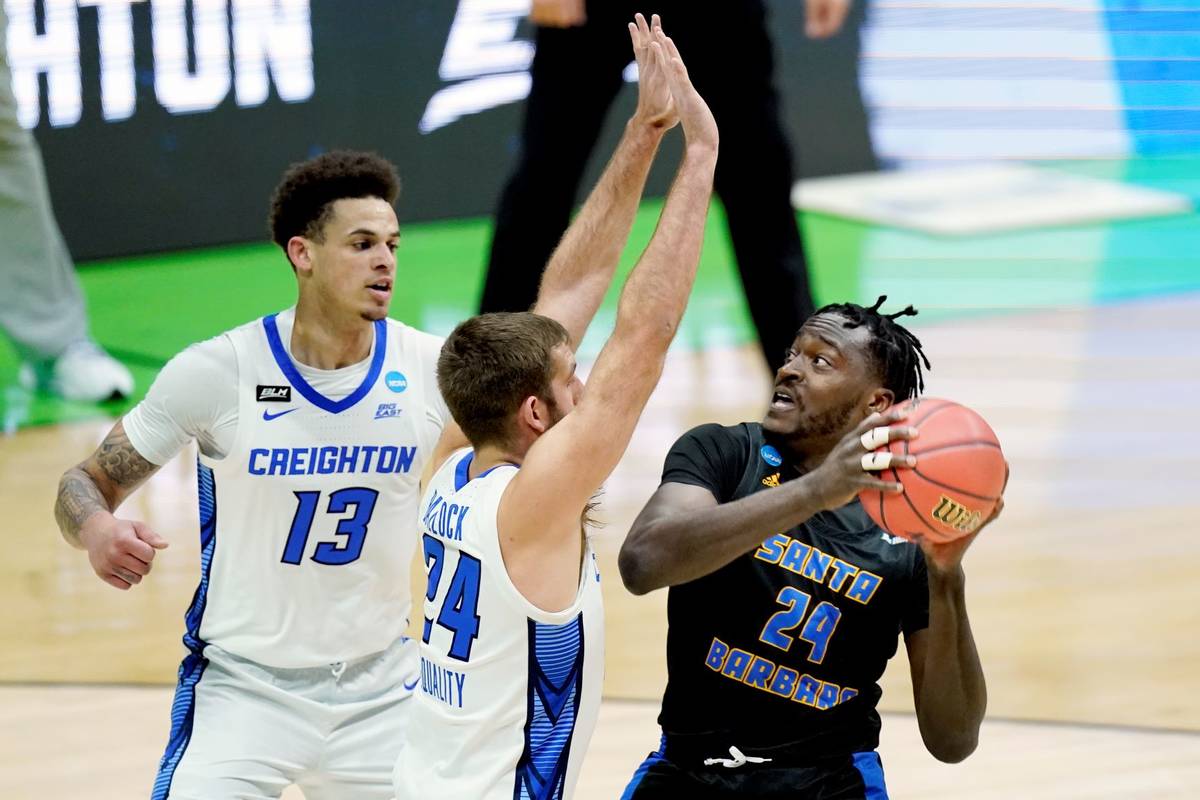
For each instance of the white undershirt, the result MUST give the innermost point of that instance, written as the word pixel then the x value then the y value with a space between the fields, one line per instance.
pixel 195 397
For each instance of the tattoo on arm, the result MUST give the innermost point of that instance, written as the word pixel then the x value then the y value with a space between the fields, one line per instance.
pixel 78 499
pixel 100 483
pixel 121 464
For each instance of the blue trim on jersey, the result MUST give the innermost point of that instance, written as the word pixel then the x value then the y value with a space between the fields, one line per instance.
pixel 461 472
pixel 871 769
pixel 312 395
pixel 555 690
pixel 183 711
pixel 183 707
pixel 656 757
pixel 207 491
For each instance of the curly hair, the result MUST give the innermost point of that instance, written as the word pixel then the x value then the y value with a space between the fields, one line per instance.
pixel 303 201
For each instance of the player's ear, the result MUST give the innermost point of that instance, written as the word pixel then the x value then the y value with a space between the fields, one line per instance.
pixel 535 414
pixel 880 400
pixel 299 253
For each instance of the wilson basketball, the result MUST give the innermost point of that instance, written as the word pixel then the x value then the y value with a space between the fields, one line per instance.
pixel 958 478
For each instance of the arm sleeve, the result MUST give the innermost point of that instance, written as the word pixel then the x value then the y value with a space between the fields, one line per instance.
pixel 193 397
pixel 916 610
pixel 710 456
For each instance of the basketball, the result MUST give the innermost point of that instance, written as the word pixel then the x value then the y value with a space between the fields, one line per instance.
pixel 958 478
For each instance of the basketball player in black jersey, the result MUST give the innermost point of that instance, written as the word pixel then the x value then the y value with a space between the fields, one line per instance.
pixel 786 601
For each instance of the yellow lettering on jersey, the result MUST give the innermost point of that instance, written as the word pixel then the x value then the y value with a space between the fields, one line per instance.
pixel 819 567
pixel 751 669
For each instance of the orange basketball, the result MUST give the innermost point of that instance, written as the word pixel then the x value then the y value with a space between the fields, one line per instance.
pixel 958 478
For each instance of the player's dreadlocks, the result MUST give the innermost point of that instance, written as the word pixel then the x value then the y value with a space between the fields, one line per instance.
pixel 896 352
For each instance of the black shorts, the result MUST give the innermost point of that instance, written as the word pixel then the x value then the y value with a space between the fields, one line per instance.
pixel 856 777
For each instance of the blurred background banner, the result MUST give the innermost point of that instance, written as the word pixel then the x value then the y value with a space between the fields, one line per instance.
pixel 141 107
pixel 165 124
pixel 1032 79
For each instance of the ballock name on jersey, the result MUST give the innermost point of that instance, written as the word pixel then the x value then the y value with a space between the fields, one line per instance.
pixel 445 519
pixel 330 460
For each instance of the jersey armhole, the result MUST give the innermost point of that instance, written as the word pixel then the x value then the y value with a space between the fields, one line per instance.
pixel 512 593
pixel 718 445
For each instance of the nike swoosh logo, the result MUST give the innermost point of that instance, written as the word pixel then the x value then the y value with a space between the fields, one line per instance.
pixel 410 686
pixel 268 416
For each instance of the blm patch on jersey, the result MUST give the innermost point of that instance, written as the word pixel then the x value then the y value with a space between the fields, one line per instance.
pixel 274 394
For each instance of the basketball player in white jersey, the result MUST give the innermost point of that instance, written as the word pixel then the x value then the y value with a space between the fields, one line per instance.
pixel 512 646
pixel 313 426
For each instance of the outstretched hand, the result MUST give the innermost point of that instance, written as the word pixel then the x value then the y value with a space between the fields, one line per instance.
pixel 656 105
pixel 699 126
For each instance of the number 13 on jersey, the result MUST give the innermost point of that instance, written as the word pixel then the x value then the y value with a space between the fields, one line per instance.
pixel 359 502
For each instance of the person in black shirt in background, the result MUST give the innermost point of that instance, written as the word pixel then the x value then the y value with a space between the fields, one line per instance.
pixel 576 74
pixel 785 599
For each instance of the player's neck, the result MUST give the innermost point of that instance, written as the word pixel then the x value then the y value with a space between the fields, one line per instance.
pixel 807 454
pixel 489 456
pixel 324 341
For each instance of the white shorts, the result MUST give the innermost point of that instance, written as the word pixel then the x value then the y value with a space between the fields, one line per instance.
pixel 242 730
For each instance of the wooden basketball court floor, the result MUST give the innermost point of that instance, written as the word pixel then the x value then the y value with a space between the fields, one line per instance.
pixel 1084 597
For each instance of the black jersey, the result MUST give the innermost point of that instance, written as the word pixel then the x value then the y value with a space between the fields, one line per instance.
pixel 785 645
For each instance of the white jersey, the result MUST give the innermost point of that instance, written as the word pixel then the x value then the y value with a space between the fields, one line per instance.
pixel 307 521
pixel 509 693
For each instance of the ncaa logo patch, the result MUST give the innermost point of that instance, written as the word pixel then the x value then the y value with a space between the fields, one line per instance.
pixel 396 381
pixel 770 455
pixel 386 410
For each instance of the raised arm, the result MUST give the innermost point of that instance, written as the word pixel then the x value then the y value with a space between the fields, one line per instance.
pixel 119 550
pixel 582 266
pixel 683 534
pixel 539 513
pixel 949 690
